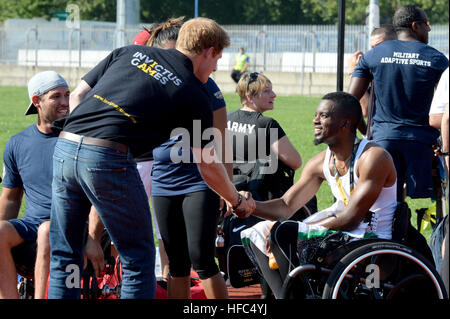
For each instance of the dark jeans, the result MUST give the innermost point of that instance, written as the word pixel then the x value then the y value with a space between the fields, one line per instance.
pixel 85 175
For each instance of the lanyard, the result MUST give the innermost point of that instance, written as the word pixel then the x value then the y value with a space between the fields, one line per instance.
pixel 337 175
pixel 370 112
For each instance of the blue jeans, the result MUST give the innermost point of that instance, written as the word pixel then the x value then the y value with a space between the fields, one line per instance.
pixel 85 175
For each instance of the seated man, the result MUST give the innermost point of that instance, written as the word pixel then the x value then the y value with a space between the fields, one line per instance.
pixel 361 175
pixel 28 170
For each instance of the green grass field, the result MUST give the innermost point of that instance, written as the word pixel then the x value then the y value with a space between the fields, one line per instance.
pixel 295 115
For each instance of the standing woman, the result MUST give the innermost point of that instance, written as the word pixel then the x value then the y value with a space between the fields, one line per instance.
pixel 187 210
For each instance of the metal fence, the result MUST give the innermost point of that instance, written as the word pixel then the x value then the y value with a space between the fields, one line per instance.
pixel 40 42
pixel 313 43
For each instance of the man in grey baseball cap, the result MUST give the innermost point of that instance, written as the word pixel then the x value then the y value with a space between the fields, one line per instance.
pixel 40 84
pixel 28 169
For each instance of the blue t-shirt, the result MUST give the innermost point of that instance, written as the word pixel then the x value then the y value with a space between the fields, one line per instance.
pixel 405 74
pixel 170 178
pixel 27 159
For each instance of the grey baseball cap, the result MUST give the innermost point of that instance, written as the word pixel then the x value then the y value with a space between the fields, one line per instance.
pixel 41 83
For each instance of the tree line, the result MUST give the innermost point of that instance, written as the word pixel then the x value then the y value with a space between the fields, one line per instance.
pixel 228 11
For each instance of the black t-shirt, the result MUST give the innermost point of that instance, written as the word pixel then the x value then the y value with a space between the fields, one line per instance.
pixel 255 168
pixel 245 130
pixel 139 95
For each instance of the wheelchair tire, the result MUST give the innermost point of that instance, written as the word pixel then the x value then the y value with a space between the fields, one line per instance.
pixel 384 270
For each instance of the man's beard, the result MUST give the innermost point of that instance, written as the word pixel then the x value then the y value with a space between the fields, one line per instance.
pixel 317 141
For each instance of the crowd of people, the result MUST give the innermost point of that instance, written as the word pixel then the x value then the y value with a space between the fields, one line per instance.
pixel 133 132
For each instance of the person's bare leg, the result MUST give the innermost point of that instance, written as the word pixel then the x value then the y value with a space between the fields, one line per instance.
pixel 42 265
pixel 9 238
pixel 164 260
pixel 215 287
pixel 179 287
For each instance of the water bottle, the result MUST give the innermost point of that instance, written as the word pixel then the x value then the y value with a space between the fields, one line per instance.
pixel 272 262
pixel 220 241
pixel 158 268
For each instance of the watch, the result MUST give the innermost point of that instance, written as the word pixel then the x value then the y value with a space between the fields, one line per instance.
pixel 238 203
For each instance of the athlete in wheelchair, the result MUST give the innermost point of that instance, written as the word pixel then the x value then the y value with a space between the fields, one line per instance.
pixel 356 248
pixel 253 136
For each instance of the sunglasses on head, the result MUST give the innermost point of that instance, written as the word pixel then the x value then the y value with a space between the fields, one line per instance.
pixel 252 78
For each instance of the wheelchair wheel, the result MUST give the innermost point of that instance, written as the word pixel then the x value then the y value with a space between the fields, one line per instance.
pixel 303 282
pixel 384 270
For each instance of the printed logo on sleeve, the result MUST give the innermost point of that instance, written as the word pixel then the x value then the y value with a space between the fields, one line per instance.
pixel 218 95
pixel 154 69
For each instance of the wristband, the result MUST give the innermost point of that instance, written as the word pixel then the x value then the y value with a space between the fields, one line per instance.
pixel 238 203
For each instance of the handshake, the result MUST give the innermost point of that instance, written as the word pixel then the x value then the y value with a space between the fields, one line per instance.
pixel 245 206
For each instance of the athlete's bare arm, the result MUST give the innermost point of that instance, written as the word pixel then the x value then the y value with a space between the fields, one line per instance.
pixel 375 170
pixel 297 195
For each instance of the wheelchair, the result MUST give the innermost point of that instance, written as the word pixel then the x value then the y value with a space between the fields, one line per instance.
pixel 24 256
pixel 233 259
pixel 364 269
pixel 105 287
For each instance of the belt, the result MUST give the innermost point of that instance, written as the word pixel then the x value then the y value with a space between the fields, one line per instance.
pixel 94 141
